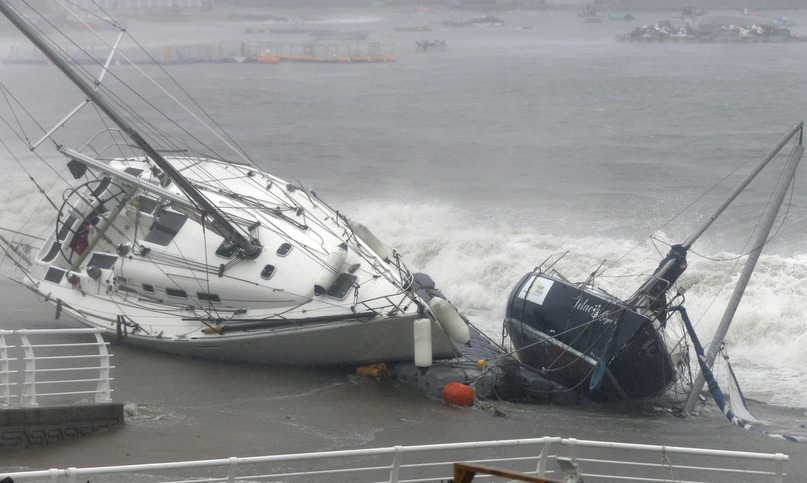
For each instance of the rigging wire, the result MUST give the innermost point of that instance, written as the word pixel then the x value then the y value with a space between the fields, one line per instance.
pixel 218 132
pixel 687 207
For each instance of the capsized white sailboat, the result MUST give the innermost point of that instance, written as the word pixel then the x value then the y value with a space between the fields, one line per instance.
pixel 164 247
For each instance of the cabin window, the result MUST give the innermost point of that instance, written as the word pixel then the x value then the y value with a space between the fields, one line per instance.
pixel 284 249
pixel 208 297
pixel 102 260
pixel 66 227
pixel 267 272
pixel 148 288
pixel 342 285
pixel 54 249
pixel 176 293
pixel 166 228
pixel 54 275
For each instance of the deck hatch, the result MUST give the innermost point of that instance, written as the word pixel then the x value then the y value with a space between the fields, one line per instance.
pixel 342 285
pixel 147 205
pixel 54 275
pixel 166 228
pixel 102 260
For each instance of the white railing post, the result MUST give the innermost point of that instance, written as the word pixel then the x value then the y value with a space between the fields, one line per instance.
pixel 5 372
pixel 572 451
pixel 544 456
pixel 779 464
pixel 103 393
pixel 396 465
pixel 72 474
pixel 28 398
pixel 231 469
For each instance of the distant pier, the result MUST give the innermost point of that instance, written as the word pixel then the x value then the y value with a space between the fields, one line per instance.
pixel 224 52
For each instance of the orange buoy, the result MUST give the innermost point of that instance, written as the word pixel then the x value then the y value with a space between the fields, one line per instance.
pixel 458 393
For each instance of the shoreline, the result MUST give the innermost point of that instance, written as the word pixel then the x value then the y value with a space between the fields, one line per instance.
pixel 181 409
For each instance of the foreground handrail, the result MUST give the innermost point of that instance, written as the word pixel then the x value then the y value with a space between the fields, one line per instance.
pixel 400 464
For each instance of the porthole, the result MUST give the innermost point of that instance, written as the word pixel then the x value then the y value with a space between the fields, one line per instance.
pixel 284 249
pixel 267 272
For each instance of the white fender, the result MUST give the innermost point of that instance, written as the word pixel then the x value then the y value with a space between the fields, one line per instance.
pixel 423 342
pixel 364 234
pixel 331 270
pixel 450 320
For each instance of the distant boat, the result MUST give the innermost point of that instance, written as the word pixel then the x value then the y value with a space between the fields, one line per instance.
pixel 413 29
pixel 253 17
pixel 425 45
pixel 295 30
pixel 784 22
pixel 340 35
pixel 589 15
pixel 485 21
pixel 620 16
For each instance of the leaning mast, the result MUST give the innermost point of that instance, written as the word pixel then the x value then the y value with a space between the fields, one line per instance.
pixel 768 218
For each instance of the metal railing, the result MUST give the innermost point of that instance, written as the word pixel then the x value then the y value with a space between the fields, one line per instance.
pixel 47 364
pixel 597 461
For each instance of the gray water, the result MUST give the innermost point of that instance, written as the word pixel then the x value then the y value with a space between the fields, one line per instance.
pixel 477 163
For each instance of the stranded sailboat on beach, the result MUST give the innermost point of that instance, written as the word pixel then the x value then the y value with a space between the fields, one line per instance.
pixel 582 337
pixel 168 248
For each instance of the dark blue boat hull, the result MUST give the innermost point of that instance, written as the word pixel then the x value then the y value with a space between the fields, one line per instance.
pixel 567 332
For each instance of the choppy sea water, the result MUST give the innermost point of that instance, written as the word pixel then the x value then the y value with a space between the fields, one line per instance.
pixel 512 145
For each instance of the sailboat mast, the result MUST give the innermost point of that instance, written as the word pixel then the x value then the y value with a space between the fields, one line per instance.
pixel 773 152
pixel 762 236
pixel 249 248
